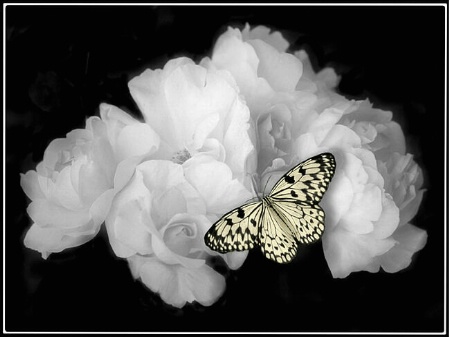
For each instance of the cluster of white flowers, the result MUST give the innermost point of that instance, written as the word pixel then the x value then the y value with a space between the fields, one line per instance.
pixel 251 110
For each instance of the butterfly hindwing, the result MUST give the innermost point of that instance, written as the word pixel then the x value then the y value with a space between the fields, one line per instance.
pixel 276 241
pixel 236 230
pixel 306 182
pixel 306 222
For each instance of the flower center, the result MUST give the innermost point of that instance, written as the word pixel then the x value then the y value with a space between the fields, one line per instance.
pixel 180 238
pixel 181 156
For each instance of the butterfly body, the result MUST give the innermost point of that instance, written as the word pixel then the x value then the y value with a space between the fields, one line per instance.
pixel 289 214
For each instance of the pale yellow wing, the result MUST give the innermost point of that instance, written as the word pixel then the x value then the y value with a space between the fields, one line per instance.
pixel 236 230
pixel 277 242
pixel 306 182
pixel 306 222
pixel 290 213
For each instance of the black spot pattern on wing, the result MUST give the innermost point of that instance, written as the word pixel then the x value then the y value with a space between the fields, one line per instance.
pixel 236 230
pixel 310 180
pixel 277 243
pixel 306 222
pixel 289 214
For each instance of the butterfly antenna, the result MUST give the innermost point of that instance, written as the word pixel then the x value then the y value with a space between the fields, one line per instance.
pixel 255 189
pixel 265 185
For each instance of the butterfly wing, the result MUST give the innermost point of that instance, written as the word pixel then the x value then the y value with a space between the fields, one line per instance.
pixel 236 230
pixel 290 213
pixel 305 221
pixel 277 242
pixel 306 182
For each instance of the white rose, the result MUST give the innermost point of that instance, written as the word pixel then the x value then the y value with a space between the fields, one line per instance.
pixel 403 180
pixel 158 222
pixel 196 111
pixel 72 188
pixel 258 62
pixel 294 122
pixel 378 132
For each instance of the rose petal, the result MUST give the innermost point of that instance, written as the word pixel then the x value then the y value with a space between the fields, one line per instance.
pixel 389 219
pixel 347 252
pixel 148 91
pixel 240 59
pixel 390 139
pixel 236 141
pixel 64 192
pixel 101 206
pixel 112 114
pixel 136 140
pixel 274 39
pixel 30 185
pixel 281 70
pixel 408 211
pixel 339 137
pixel 235 260
pixel 55 149
pixel 130 230
pixel 124 172
pixel 119 247
pixel 164 254
pixel 163 176
pixel 48 214
pixel 328 77
pixel 178 285
pixel 166 204
pixel 55 240
pixel 213 148
pixel 92 181
pixel 213 180
pixel 410 240
pixel 126 226
pixel 338 199
pixel 366 207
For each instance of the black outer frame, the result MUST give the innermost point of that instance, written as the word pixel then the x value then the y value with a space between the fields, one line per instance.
pixel 62 61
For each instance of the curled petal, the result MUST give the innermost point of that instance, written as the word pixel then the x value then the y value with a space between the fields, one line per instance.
pixel 91 181
pixel 100 207
pixel 366 208
pixel 48 214
pixel 235 260
pixel 408 211
pixel 347 252
pixel 281 70
pixel 137 140
pixel 178 286
pixel 213 148
pixel 274 39
pixel 389 139
pixel 389 219
pixel 214 181
pixel 236 141
pixel 169 256
pixel 30 185
pixel 55 240
pixel 410 240
pixel 338 199
pixel 240 59
pixel 64 192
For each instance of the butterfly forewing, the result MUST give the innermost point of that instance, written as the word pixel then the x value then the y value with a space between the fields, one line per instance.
pixel 306 182
pixel 236 230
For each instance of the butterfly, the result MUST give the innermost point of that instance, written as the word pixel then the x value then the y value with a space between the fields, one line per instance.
pixel 289 214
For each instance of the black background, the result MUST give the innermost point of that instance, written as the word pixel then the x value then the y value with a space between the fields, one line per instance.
pixel 62 62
